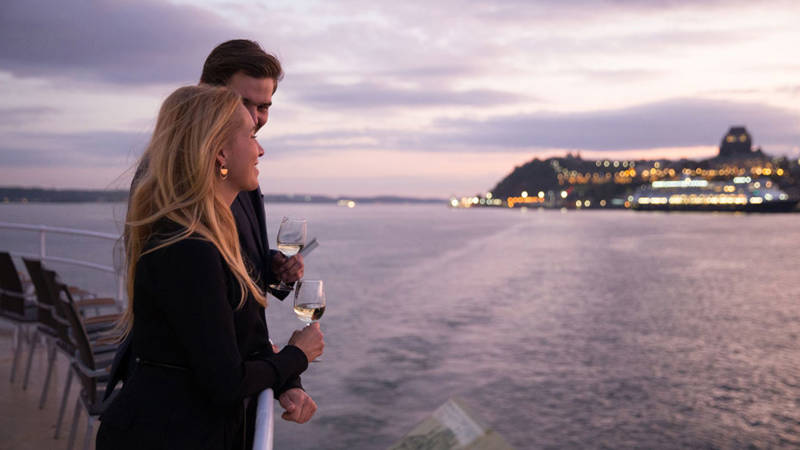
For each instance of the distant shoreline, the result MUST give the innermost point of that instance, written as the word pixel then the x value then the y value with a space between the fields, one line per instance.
pixel 42 195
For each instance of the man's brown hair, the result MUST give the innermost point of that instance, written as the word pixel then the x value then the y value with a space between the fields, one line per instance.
pixel 240 55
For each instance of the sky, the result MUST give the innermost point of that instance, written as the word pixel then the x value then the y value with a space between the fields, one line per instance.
pixel 412 98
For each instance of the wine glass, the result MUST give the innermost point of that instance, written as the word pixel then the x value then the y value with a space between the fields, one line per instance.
pixel 291 239
pixel 309 300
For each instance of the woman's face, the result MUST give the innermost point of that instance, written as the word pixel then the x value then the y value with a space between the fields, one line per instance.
pixel 242 152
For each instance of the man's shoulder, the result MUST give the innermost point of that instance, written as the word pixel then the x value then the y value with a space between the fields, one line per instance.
pixel 247 204
pixel 255 194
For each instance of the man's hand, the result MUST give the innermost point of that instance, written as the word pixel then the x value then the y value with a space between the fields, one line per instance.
pixel 286 269
pixel 298 405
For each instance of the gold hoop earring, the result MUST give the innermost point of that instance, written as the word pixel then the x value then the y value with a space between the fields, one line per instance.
pixel 223 172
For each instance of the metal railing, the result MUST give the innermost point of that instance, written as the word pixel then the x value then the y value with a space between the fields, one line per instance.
pixel 43 230
pixel 265 417
pixel 265 421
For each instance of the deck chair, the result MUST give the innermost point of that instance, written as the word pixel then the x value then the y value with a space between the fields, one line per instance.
pixel 46 325
pixel 87 367
pixel 52 323
pixel 15 306
pixel 96 327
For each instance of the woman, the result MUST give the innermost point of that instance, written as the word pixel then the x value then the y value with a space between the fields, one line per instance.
pixel 186 278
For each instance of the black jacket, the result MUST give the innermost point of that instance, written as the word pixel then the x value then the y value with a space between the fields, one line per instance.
pixel 190 377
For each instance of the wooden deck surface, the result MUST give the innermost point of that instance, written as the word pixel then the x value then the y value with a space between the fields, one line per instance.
pixel 23 426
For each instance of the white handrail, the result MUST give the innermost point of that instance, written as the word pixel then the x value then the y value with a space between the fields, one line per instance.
pixel 265 421
pixel 44 229
pixel 59 230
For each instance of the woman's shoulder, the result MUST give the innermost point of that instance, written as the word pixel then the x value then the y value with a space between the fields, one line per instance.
pixel 171 242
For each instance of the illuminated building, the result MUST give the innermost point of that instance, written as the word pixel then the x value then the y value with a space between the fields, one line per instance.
pixel 737 142
pixel 741 194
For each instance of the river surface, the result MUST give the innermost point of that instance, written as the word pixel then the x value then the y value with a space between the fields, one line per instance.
pixel 589 329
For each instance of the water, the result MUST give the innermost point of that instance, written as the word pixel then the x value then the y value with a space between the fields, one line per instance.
pixel 591 329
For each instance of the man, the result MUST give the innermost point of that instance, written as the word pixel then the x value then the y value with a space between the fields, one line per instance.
pixel 245 68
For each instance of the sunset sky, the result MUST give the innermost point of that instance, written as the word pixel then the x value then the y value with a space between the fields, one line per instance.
pixel 410 98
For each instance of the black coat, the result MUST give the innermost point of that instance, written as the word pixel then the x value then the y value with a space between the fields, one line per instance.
pixel 190 377
pixel 252 334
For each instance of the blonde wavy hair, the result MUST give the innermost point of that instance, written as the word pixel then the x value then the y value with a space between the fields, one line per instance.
pixel 179 184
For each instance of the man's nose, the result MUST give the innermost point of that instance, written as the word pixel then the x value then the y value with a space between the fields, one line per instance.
pixel 260 149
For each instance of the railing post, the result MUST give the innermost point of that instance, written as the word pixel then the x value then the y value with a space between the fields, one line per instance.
pixel 265 421
pixel 42 249
pixel 121 290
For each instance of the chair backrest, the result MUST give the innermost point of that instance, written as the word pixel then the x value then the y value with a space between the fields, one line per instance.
pixel 80 339
pixel 12 297
pixel 44 293
pixel 59 311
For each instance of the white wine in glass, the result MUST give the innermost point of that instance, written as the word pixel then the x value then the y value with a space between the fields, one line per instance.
pixel 309 300
pixel 291 239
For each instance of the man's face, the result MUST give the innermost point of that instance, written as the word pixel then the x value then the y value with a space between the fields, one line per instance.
pixel 256 95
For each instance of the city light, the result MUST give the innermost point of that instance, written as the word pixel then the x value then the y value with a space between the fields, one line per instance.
pixel 680 184
pixel 511 201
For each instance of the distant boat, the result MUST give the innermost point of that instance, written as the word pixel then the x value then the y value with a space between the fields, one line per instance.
pixel 741 194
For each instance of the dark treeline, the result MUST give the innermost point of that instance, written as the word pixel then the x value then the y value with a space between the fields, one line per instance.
pixel 41 195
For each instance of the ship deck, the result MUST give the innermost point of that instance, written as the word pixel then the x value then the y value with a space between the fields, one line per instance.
pixel 23 426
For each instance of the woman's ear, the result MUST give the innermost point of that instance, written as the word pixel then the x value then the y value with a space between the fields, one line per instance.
pixel 221 158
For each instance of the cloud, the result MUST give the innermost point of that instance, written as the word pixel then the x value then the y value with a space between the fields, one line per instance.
pixel 792 90
pixel 672 123
pixel 123 42
pixel 12 117
pixel 371 95
pixel 616 75
pixel 93 149
pixel 666 124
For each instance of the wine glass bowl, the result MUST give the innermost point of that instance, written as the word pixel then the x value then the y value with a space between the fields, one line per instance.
pixel 309 300
pixel 291 239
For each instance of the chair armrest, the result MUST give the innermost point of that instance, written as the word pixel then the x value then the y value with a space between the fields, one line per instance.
pixel 46 307
pixel 96 330
pixel 28 297
pixel 106 337
pixel 76 291
pixel 87 371
pixel 101 319
pixel 95 301
pixel 104 348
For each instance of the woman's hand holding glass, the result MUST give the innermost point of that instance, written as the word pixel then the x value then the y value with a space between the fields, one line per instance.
pixel 309 340
pixel 309 302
